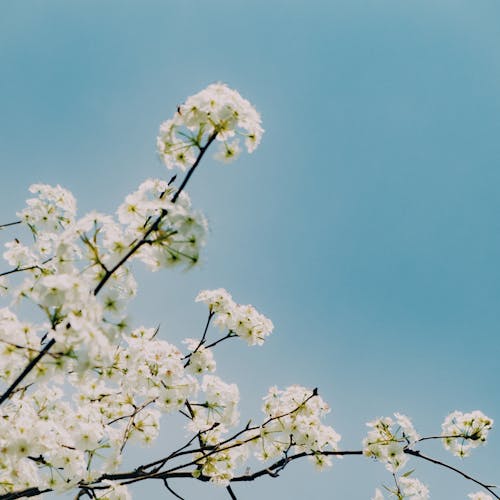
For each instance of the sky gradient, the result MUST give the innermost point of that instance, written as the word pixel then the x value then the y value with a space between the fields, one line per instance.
pixel 366 225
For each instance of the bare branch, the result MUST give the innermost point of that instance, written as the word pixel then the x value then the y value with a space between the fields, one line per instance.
pixel 2 226
pixel 231 492
pixel 171 490
pixel 487 487
pixel 202 340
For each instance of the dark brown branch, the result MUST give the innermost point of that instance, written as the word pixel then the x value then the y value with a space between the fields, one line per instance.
pixel 26 371
pixel 487 487
pixel 140 475
pixel 19 270
pixel 171 490
pixel 156 223
pixel 193 168
pixel 11 224
pixel 110 272
pixel 231 493
pixel 202 340
pixel 26 268
pixel 30 492
pixel 230 335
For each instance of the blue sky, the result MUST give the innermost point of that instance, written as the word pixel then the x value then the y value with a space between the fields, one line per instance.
pixel 366 226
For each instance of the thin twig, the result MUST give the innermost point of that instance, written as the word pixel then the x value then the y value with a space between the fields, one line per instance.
pixel 19 269
pixel 11 224
pixel 156 223
pixel 230 335
pixel 231 492
pixel 171 490
pixel 202 340
pixel 26 370
pixel 487 487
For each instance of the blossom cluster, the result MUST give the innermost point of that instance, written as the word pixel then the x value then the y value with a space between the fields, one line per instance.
pixel 94 383
pixel 216 112
pixel 388 440
pixel 464 431
pixel 294 424
pixel 406 488
pixel 178 234
pixel 52 209
pixel 122 402
pixel 479 496
pixel 242 320
pixel 122 380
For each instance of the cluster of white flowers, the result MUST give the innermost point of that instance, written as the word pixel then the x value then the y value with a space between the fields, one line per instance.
pixel 388 439
pixel 99 384
pixel 479 496
pixel 4 286
pixel 220 406
pixel 464 431
pixel 215 111
pixel 201 359
pixel 119 403
pixel 51 210
pixel 407 488
pixel 413 489
pixel 294 424
pixel 120 381
pixel 179 231
pixel 19 344
pixel 242 320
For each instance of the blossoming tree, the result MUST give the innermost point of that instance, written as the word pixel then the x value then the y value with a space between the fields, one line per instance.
pixel 78 384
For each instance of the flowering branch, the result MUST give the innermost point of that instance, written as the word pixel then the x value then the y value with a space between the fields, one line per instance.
pixel 140 475
pixel 121 380
pixel 108 273
pixel 154 226
pixel 26 371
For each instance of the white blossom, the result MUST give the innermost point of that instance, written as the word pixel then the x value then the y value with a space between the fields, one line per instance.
pixel 479 496
pixel 215 111
pixel 464 431
pixel 242 320
pixel 388 439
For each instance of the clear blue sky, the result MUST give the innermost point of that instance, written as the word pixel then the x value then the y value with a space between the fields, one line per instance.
pixel 366 226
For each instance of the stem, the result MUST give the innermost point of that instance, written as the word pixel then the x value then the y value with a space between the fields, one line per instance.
pixel 171 490
pixel 202 340
pixel 156 223
pixel 27 268
pixel 231 493
pixel 487 487
pixel 11 224
pixel 193 168
pixel 230 335
pixel 26 370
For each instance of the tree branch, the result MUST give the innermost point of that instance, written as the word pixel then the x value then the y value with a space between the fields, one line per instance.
pixel 487 487
pixel 202 340
pixel 110 272
pixel 140 475
pixel 155 224
pixel 26 371
pixel 11 224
